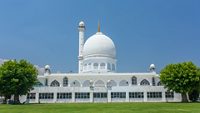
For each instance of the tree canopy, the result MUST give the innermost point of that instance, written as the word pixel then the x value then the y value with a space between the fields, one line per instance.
pixel 181 78
pixel 17 78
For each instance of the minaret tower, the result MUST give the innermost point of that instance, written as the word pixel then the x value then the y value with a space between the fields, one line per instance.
pixel 81 29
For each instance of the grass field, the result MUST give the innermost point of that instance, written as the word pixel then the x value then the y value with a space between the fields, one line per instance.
pixel 103 108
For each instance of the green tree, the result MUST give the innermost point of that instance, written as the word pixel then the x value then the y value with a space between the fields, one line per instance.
pixel 17 78
pixel 181 78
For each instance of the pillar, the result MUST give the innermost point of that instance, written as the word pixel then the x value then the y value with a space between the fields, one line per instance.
pixel 91 97
pixel 37 98
pixel 54 97
pixel 127 96
pixel 145 96
pixel 109 96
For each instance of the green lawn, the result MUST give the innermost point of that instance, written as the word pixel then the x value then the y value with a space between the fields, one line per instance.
pixel 103 108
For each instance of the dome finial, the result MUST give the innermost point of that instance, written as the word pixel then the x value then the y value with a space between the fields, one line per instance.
pixel 98 26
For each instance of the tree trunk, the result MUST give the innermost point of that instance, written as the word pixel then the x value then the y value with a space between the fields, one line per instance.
pixel 184 97
pixel 16 99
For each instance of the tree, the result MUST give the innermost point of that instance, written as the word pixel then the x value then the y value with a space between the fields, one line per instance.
pixel 17 78
pixel 181 78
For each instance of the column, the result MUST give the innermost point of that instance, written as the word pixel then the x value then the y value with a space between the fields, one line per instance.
pixel 163 96
pixel 73 96
pixel 109 96
pixel 55 97
pixel 127 96
pixel 91 97
pixel 37 98
pixel 145 96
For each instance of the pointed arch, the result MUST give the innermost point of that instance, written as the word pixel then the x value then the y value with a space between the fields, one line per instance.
pixel 134 80
pixel 65 82
pixel 75 83
pixel 86 83
pixel 99 83
pixel 144 82
pixel 123 83
pixel 38 84
pixel 159 84
pixel 55 83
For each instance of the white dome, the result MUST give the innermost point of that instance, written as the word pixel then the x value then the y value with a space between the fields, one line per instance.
pixel 152 66
pixel 47 67
pixel 99 45
pixel 81 23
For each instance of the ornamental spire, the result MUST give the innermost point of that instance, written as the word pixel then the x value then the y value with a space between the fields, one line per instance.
pixel 98 26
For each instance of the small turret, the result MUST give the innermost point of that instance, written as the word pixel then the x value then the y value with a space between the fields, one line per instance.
pixel 152 68
pixel 47 70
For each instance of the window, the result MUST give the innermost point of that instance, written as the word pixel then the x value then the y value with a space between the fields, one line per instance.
pixel 45 95
pixel 118 94
pixel 144 82
pixel 55 83
pixel 153 81
pixel 100 95
pixel 134 80
pixel 64 95
pixel 113 67
pixel 154 94
pixel 99 83
pixel 46 82
pixel 136 95
pixel 86 83
pixel 89 66
pixel 169 94
pixel 112 83
pixel 102 66
pixel 65 81
pixel 82 95
pixel 31 96
pixel 95 65
pixel 108 66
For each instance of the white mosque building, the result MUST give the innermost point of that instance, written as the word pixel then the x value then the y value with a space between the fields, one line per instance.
pixel 97 79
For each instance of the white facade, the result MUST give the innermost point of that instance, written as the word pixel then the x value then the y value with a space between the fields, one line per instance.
pixel 97 80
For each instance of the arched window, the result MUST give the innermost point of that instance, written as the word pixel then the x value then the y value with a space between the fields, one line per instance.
pixel 102 66
pixel 108 66
pixel 95 65
pixel 144 82
pixel 123 83
pixel 65 81
pixel 113 83
pixel 75 83
pixel 89 66
pixel 134 80
pixel 113 67
pixel 99 83
pixel 153 81
pixel 85 66
pixel 86 83
pixel 55 83
pixel 159 84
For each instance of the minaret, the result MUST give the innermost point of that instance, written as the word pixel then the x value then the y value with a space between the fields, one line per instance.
pixel 81 29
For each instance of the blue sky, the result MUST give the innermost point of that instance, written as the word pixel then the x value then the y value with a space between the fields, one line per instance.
pixel 144 31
